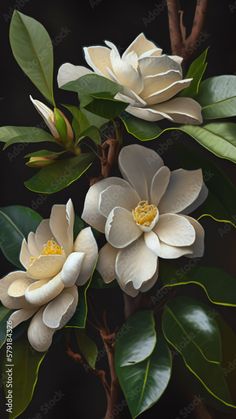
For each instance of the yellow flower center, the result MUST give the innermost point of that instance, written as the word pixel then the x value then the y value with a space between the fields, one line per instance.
pixel 52 248
pixel 144 213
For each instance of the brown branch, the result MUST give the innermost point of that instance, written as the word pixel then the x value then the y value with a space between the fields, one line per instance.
pixel 174 26
pixel 109 151
pixel 198 22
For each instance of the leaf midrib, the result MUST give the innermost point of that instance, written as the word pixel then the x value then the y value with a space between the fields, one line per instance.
pixel 12 223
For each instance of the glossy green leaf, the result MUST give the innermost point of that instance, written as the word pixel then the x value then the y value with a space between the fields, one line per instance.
pixel 13 135
pixel 140 129
pixel 60 175
pixel 80 122
pixel 91 132
pixel 196 72
pixel 87 347
pixel 4 315
pixel 80 316
pixel 217 95
pixel 15 224
pixel 137 339
pixel 144 383
pixel 108 108
pixel 33 51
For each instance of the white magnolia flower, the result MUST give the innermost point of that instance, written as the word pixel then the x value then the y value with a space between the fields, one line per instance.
pixel 144 217
pixel 150 80
pixel 55 267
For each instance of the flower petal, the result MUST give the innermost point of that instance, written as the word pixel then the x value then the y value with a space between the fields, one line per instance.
pixel 114 196
pixel 106 262
pixel 163 250
pixel 19 316
pixel 147 285
pixel 199 200
pixel 183 189
pixel 62 224
pixel 32 245
pixel 167 93
pixel 5 283
pixel 159 184
pixel 121 229
pixel 147 114
pixel 18 287
pixel 43 234
pixel 159 82
pixel 175 230
pixel 71 269
pixel 156 65
pixel 45 266
pixel 25 254
pixel 69 72
pixel 198 245
pixel 86 243
pixel 39 335
pixel 98 58
pixel 182 110
pixel 141 45
pixel 91 214
pixel 41 292
pixel 47 114
pixel 59 311
pixel 136 264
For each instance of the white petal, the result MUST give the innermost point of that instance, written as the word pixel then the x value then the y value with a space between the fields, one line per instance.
pixel 198 245
pixel 43 234
pixel 39 335
pixel 159 82
pixel 130 97
pixel 117 196
pixel 32 245
pixel 22 315
pixel 86 243
pixel 167 93
pixel 183 110
pixel 5 283
pixel 106 263
pixel 62 224
pixel 164 250
pixel 199 201
pixel 183 189
pixel 98 58
pixel 135 264
pixel 25 254
pixel 91 214
pixel 46 266
pixel 47 114
pixel 177 58
pixel 69 72
pixel 175 230
pixel 71 269
pixel 147 114
pixel 59 311
pixel 159 184
pixel 138 165
pixel 142 45
pixel 151 282
pixel 120 229
pixel 155 65
pixel 41 292
pixel 18 287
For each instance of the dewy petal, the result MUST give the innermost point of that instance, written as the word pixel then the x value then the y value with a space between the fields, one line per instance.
pixel 5 283
pixel 62 224
pixel 39 335
pixel 43 234
pixel 91 214
pixel 106 262
pixel 59 311
pixel 175 230
pixel 121 229
pixel 183 189
pixel 71 269
pixel 25 254
pixel 182 110
pixel 138 165
pixel 45 266
pixel 150 66
pixel 199 201
pixel 163 250
pixel 159 82
pixel 198 245
pixel 41 292
pixel 69 72
pixel 19 316
pixel 117 196
pixel 86 243
pixel 136 264
pixel 159 184
pixel 98 58
pixel 147 114
pixel 141 45
pixel 47 114
pixel 167 93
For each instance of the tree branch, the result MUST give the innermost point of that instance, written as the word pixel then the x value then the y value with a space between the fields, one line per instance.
pixel 174 26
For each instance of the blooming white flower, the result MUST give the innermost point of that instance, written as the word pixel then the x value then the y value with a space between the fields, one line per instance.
pixel 55 267
pixel 149 79
pixel 144 217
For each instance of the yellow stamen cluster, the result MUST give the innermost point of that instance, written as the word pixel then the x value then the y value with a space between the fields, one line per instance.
pixel 52 248
pixel 144 213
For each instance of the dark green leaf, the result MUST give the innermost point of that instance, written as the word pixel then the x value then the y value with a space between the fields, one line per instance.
pixel 13 135
pixel 4 315
pixel 196 72
pixel 78 225
pixel 137 339
pixel 144 383
pixel 80 316
pixel 60 175
pixel 87 347
pixel 140 129
pixel 92 133
pixel 33 51
pixel 94 120
pixel 98 282
pixel 80 122
pixel 15 224
pixel 106 108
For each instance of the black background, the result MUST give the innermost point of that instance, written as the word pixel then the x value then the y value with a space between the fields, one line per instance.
pixel 71 25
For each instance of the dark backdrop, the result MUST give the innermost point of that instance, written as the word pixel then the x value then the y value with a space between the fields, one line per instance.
pixel 71 25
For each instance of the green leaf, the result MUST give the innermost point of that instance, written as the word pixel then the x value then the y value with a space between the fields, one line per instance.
pixel 137 339
pixel 196 72
pixel 219 286
pixel 80 316
pixel 98 282
pixel 87 347
pixel 219 138
pixel 140 129
pixel 78 225
pixel 13 135
pixel 210 374
pixel 60 175
pixel 94 120
pixel 16 222
pixel 80 122
pixel 92 133
pixel 217 96
pixel 144 383
pixel 108 108
pixel 33 51
pixel 4 315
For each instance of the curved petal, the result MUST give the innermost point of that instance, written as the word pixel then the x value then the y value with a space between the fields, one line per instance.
pixel 5 283
pixel 41 292
pixel 86 243
pixel 62 224
pixel 43 234
pixel 150 282
pixel 91 214
pixel 167 93
pixel 198 245
pixel 106 262
pixel 98 58
pixel 199 200
pixel 47 114
pixel 136 264
pixel 71 268
pixel 69 72
pixel 39 335
pixel 117 196
pixel 142 45
pixel 59 311
pixel 163 250
pixel 32 245
pixel 138 165
pixel 159 184
pixel 147 114
pixel 121 229
pixel 45 266
pixel 159 82
pixel 183 189
pixel 175 230
pixel 19 316
pixel 156 65
pixel 18 287
pixel 182 110
pixel 25 254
